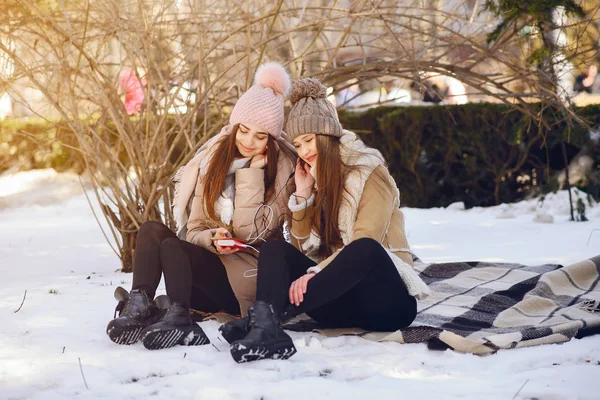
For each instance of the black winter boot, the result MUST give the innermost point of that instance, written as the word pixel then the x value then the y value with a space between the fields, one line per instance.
pixel 136 311
pixel 174 327
pixel 236 329
pixel 266 338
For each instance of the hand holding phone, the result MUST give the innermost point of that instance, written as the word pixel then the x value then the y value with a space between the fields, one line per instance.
pixel 230 243
pixel 222 234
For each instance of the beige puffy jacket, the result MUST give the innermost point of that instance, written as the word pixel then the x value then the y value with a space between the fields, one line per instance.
pixel 249 196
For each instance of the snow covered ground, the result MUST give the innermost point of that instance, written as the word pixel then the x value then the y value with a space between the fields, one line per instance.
pixel 55 251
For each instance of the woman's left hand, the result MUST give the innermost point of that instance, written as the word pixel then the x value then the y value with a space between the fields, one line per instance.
pixel 259 161
pixel 298 288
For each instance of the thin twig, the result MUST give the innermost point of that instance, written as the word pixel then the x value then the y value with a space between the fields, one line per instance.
pixel 82 375
pixel 521 388
pixel 590 237
pixel 96 216
pixel 22 302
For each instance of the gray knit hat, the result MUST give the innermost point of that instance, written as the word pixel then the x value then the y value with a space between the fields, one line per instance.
pixel 311 111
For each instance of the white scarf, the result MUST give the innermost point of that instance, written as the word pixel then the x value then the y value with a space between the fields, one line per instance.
pixel 224 204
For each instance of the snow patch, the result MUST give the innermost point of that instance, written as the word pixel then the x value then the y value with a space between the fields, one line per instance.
pixel 543 217
pixel 60 247
pixel 459 205
pixel 38 187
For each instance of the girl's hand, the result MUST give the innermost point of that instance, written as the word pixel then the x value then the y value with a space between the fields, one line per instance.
pixel 259 161
pixel 224 251
pixel 221 233
pixel 298 288
pixel 304 180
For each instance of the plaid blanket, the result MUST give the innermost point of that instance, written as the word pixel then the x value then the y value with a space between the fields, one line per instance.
pixel 480 307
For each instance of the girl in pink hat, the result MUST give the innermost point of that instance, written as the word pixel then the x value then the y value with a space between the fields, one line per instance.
pixel 237 185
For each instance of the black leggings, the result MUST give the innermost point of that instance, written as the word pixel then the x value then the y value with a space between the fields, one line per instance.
pixel 359 288
pixel 193 275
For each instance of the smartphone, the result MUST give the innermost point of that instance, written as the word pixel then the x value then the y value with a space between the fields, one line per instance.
pixel 231 242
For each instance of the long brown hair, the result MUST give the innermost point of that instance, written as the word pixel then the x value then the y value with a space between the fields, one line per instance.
pixel 331 175
pixel 223 157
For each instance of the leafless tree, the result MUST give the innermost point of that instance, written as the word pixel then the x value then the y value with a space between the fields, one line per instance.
pixel 195 57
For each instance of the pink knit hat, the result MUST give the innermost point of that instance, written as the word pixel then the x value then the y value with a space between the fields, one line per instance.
pixel 262 104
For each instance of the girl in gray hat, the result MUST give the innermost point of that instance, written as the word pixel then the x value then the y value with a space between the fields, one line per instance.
pixel 349 264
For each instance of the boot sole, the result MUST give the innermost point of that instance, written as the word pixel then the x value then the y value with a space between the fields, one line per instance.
pixel 157 339
pixel 242 353
pixel 126 336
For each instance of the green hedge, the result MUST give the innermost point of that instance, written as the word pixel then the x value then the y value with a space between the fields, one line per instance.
pixel 36 144
pixel 438 155
pixel 471 153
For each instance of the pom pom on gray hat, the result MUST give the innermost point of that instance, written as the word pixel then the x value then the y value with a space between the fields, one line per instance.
pixel 311 111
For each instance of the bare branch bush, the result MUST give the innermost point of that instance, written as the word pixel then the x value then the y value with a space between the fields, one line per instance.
pixel 195 58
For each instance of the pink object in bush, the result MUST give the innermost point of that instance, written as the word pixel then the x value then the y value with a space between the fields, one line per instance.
pixel 133 88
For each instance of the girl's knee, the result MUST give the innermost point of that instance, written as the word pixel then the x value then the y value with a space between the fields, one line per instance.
pixel 169 244
pixel 367 247
pixel 365 243
pixel 153 229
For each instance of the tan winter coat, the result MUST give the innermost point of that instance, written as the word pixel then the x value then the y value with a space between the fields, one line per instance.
pixel 377 214
pixel 249 196
pixel 376 211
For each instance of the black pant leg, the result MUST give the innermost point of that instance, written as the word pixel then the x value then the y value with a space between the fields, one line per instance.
pixel 196 277
pixel 346 270
pixel 147 268
pixel 279 264
pixel 360 287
